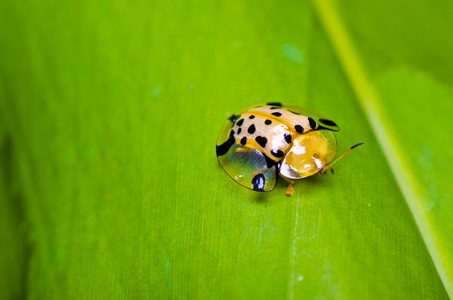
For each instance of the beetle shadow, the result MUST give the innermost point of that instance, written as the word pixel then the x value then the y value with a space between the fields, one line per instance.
pixel 282 185
pixel 317 179
pixel 261 197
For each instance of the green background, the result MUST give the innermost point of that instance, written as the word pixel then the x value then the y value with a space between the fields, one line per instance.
pixel 110 187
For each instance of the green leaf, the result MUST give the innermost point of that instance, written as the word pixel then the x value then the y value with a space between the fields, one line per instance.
pixel 113 109
pixel 13 249
pixel 405 96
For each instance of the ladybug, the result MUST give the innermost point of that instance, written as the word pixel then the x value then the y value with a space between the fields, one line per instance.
pixel 257 144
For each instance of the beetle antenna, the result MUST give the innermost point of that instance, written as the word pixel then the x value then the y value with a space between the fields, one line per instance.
pixel 329 167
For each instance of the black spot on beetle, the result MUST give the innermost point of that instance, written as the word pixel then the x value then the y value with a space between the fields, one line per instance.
pixel 299 129
pixel 243 141
pixel 239 130
pixel 251 129
pixel 258 183
pixel 225 147
pixel 233 118
pixel 287 137
pixel 251 117
pixel 277 114
pixel 268 122
pixel 277 153
pixel 274 107
pixel 312 123
pixel 269 162
pixel 274 103
pixel 262 141
pixel 327 122
pixel 239 123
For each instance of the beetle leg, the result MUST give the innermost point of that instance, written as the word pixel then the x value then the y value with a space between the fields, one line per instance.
pixel 290 189
pixel 325 169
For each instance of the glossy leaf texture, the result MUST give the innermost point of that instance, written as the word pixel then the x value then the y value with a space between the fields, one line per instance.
pixel 111 188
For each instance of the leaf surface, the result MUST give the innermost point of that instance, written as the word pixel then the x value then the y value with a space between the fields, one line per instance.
pixel 405 95
pixel 113 110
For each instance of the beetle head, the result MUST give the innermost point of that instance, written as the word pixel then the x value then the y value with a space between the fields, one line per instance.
pixel 310 153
